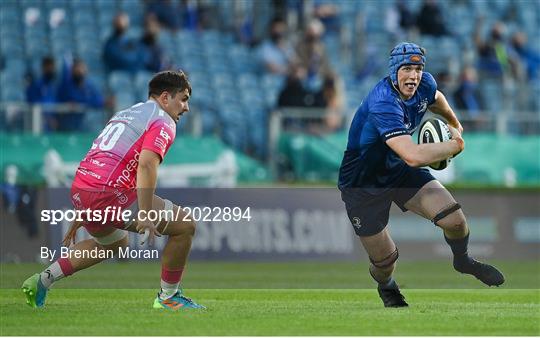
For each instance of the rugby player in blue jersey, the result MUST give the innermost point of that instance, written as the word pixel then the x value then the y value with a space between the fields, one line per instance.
pixel 382 164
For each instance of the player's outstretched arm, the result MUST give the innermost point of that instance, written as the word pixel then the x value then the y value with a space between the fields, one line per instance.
pixel 420 155
pixel 146 186
pixel 442 107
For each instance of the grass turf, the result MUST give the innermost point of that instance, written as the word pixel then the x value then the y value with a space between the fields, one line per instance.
pixel 275 299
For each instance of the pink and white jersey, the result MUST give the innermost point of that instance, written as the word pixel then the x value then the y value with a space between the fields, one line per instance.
pixel 111 164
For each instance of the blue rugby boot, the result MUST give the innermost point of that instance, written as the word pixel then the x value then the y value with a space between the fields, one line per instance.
pixel 34 291
pixel 177 302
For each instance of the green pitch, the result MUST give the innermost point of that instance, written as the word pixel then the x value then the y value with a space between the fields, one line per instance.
pixel 276 299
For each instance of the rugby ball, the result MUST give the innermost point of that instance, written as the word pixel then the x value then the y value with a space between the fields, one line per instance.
pixel 434 131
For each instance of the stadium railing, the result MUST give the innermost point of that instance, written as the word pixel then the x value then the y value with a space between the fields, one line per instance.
pixel 504 125
pixel 32 115
pixel 275 128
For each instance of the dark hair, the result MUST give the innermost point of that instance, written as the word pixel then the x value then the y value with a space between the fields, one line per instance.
pixel 47 60
pixel 168 81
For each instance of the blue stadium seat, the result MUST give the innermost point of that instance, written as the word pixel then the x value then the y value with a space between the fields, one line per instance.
pixel 11 45
pixel 51 4
pixel 104 19
pixel 31 3
pixel 11 82
pixel 222 80
pixel 120 82
pixel 124 99
pixel 62 46
pixel 492 93
pixel 217 66
pixel 248 81
pixel 106 5
pixel 81 5
pixel 9 16
pixel 142 79
pixel 99 79
pixel 232 122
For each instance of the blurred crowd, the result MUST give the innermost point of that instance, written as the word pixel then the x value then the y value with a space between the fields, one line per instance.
pixel 324 54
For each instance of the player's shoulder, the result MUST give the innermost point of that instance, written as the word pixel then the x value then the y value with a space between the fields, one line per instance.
pixel 383 95
pixel 428 81
pixel 383 92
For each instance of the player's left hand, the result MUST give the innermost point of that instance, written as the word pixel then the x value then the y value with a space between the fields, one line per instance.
pixel 149 230
pixel 457 125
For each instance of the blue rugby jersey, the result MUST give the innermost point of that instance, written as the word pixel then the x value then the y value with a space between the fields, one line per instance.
pixel 368 162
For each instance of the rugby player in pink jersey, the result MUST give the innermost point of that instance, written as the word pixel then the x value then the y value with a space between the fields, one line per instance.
pixel 120 170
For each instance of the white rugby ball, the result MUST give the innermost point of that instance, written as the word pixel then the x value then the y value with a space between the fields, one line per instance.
pixel 434 131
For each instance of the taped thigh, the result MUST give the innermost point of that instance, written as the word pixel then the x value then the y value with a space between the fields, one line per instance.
pixel 111 238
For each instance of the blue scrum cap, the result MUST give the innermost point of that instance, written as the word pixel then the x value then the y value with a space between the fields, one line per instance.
pixel 405 53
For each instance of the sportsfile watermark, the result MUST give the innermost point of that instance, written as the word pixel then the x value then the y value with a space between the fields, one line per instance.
pixel 119 214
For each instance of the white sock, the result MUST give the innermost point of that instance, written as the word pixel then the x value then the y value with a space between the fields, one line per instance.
pixel 50 275
pixel 168 290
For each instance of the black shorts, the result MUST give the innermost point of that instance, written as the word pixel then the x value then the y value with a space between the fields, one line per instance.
pixel 369 211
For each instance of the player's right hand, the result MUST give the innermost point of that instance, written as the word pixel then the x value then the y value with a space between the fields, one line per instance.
pixel 146 226
pixel 456 136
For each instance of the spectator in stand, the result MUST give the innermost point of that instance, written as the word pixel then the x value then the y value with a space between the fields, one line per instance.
pixel 430 20
pixel 445 84
pixel 496 58
pixel 332 93
pixel 79 91
pixel 44 91
pixel 529 57
pixel 328 13
pixel 168 14
pixel 407 19
pixel 312 55
pixel 276 53
pixel 297 94
pixel 294 93
pixel 153 54
pixel 122 53
pixel 399 20
pixel 467 97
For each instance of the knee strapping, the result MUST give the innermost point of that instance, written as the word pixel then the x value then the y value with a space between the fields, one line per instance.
pixel 445 212
pixel 387 261
pixel 111 238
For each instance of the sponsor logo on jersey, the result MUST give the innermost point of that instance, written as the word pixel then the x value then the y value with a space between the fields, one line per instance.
pixel 127 176
pixel 162 143
pixel 165 135
pixel 97 163
pixel 76 198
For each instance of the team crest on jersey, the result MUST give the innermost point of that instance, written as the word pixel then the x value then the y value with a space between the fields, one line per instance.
pixel 422 106
pixel 356 222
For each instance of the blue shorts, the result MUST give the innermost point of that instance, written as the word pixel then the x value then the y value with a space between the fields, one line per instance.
pixel 369 212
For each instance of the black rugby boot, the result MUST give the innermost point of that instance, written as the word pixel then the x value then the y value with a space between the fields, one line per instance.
pixel 391 296
pixel 486 273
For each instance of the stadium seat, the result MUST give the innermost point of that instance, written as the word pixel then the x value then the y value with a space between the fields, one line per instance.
pixel 492 92
pixel 142 79
pixel 124 99
pixel 120 81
